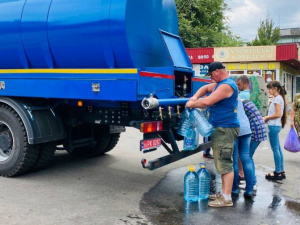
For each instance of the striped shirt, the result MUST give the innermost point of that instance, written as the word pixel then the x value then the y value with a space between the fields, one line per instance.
pixel 257 123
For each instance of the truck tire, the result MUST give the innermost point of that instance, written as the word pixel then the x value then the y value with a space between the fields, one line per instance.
pixel 17 156
pixel 45 156
pixel 99 148
pixel 114 139
pixel 102 144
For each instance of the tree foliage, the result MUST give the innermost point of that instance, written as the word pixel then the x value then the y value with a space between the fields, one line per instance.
pixel 267 33
pixel 202 24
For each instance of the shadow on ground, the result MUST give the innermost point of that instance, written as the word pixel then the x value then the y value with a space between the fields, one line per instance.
pixel 164 203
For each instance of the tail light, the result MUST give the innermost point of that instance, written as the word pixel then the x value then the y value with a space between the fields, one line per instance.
pixel 150 127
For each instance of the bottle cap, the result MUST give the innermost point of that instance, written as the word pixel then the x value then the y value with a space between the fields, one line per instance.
pixel 202 165
pixel 191 168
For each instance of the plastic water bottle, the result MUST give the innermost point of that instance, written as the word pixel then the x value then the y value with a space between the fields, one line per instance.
pixel 204 182
pixel 200 122
pixel 200 168
pixel 184 123
pixel 197 138
pixel 190 140
pixel 191 185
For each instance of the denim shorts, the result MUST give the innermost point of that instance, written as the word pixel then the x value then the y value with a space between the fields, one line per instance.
pixel 222 144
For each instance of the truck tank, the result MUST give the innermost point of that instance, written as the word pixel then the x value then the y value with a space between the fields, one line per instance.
pixel 75 73
pixel 85 33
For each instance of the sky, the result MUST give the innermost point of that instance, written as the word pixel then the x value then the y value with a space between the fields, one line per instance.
pixel 245 15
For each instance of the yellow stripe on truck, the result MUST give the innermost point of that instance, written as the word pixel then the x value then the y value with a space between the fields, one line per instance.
pixel 91 71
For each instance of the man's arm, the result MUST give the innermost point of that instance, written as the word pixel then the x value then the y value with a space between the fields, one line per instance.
pixel 222 92
pixel 203 91
pixel 292 113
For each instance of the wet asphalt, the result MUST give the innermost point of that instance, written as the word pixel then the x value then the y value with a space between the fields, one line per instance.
pixel 274 202
pixel 164 203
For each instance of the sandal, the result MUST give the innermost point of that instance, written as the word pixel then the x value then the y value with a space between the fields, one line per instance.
pixel 283 175
pixel 275 176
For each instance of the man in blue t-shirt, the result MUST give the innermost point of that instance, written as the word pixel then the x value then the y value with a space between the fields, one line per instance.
pixel 222 110
pixel 243 85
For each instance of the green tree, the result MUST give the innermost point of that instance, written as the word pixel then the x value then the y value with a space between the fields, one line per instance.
pixel 267 33
pixel 202 24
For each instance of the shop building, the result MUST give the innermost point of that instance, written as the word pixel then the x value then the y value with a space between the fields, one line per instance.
pixel 281 63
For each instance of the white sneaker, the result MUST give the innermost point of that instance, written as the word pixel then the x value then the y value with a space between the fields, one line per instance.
pixel 255 187
pixel 242 186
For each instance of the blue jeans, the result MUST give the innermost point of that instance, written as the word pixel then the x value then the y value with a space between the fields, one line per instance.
pixel 207 151
pixel 242 150
pixel 275 145
pixel 253 147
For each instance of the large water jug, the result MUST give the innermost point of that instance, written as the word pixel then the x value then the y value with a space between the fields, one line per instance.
pixel 191 139
pixel 200 168
pixel 204 182
pixel 197 138
pixel 191 185
pixel 184 123
pixel 199 120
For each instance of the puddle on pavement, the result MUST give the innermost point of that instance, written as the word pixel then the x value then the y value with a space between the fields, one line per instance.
pixel 164 203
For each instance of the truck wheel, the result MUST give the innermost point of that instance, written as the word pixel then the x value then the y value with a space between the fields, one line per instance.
pixel 102 144
pixel 114 139
pixel 16 155
pixel 45 156
pixel 99 148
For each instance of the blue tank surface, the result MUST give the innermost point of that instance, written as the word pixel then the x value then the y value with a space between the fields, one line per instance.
pixel 85 33
pixel 64 49
pixel 75 73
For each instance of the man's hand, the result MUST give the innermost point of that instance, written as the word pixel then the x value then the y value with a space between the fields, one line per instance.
pixel 189 104
pixel 193 98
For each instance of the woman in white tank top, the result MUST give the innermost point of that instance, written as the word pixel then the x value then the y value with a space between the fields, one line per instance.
pixel 276 120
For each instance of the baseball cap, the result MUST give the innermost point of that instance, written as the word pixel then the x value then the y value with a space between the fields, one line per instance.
pixel 214 66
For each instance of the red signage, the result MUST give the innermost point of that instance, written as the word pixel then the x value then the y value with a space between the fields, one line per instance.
pixel 200 55
pixel 286 52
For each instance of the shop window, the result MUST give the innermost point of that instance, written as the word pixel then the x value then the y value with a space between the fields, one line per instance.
pixel 297 84
pixel 237 72
pixel 286 81
pixel 254 72
pixel 269 75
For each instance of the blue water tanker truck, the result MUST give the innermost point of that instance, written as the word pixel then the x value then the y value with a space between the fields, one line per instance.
pixel 75 73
